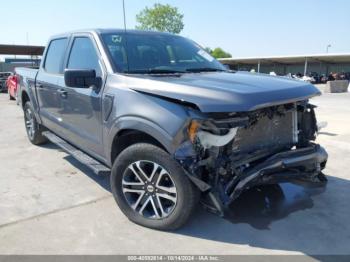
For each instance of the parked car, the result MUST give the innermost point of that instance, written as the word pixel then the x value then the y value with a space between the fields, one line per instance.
pixel 309 79
pixel 3 79
pixel 324 78
pixel 169 122
pixel 316 78
pixel 12 86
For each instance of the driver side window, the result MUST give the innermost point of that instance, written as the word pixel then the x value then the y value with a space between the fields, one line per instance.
pixel 83 55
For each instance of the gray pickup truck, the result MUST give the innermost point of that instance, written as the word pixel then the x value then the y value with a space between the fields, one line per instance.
pixel 169 123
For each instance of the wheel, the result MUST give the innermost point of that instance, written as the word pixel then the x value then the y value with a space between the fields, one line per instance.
pixel 34 130
pixel 151 188
pixel 16 97
pixel 11 97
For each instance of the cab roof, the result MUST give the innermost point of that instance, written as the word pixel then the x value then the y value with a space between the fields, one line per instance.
pixel 111 31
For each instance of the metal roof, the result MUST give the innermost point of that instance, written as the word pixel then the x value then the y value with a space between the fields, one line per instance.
pixel 290 59
pixel 21 50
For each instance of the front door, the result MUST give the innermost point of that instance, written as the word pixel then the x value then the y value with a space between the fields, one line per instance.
pixel 81 107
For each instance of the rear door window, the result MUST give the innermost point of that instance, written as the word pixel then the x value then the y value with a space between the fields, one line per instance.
pixel 55 55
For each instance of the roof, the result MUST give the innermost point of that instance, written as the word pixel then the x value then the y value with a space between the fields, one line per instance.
pixel 111 30
pixel 21 50
pixel 130 31
pixel 291 59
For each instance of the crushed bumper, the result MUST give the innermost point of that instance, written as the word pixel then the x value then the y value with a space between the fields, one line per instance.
pixel 299 166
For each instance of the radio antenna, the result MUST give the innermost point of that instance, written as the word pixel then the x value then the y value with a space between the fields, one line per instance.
pixel 124 15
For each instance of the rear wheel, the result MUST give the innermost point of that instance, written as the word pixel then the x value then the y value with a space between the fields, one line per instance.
pixel 16 97
pixel 33 128
pixel 11 97
pixel 151 188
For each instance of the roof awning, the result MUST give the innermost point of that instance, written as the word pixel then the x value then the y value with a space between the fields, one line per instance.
pixel 296 59
pixel 21 50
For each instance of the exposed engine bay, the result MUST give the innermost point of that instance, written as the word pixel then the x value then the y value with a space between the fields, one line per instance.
pixel 229 153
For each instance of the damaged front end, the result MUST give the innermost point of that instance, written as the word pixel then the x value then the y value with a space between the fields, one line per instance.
pixel 227 153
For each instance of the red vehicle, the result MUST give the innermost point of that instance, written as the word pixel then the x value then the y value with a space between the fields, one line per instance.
pixel 12 86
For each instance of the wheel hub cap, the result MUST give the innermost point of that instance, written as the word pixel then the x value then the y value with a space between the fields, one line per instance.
pixel 150 188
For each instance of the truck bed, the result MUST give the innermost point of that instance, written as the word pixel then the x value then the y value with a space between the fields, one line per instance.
pixel 28 73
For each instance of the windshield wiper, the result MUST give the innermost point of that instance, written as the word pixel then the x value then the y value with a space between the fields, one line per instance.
pixel 156 71
pixel 204 69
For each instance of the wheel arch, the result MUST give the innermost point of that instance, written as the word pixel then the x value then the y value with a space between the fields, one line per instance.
pixel 131 130
pixel 24 98
pixel 128 137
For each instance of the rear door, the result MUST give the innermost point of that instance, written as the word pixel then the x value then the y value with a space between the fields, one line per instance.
pixel 48 89
pixel 81 107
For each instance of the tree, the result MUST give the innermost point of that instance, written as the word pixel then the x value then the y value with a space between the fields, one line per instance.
pixel 208 49
pixel 219 53
pixel 164 18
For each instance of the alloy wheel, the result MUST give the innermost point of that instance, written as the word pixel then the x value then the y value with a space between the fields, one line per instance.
pixel 149 189
pixel 29 121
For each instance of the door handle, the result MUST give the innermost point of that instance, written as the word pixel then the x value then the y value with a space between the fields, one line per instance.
pixel 39 86
pixel 63 93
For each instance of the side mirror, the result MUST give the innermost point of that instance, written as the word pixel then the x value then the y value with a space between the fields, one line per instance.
pixel 81 78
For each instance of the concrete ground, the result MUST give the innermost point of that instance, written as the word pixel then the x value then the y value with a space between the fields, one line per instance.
pixel 51 204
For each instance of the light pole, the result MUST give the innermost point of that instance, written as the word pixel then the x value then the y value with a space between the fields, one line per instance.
pixel 328 46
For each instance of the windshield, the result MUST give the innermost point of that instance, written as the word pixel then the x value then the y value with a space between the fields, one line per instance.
pixel 157 53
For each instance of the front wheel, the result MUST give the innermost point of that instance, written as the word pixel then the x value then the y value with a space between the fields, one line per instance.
pixel 151 188
pixel 33 128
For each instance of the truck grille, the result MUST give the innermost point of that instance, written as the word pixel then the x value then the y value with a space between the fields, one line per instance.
pixel 278 131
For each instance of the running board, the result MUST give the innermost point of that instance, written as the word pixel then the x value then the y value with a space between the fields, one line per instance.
pixel 97 167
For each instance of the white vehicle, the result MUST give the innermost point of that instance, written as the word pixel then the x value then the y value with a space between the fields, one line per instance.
pixel 309 79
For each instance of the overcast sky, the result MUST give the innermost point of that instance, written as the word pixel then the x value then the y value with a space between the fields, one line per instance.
pixel 244 28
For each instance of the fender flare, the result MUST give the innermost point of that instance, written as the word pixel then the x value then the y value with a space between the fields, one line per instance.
pixel 141 125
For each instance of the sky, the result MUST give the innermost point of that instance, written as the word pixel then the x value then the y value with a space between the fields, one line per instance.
pixel 242 27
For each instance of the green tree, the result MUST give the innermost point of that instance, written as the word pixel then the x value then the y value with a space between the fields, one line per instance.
pixel 208 49
pixel 164 18
pixel 219 53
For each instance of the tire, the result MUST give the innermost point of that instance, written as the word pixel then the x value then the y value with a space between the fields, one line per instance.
pixel 16 97
pixel 171 199
pixel 33 128
pixel 11 97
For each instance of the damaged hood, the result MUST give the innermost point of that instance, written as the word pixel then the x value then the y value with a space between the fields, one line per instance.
pixel 225 91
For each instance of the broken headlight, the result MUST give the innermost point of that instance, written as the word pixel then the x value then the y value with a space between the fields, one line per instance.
pixel 214 133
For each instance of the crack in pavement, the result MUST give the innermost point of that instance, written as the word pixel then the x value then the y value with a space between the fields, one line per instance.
pixel 55 211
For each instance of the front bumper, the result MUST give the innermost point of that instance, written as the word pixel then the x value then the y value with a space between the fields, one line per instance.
pixel 300 166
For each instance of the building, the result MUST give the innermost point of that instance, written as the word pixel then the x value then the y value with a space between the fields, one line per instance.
pixel 33 53
pixel 294 64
